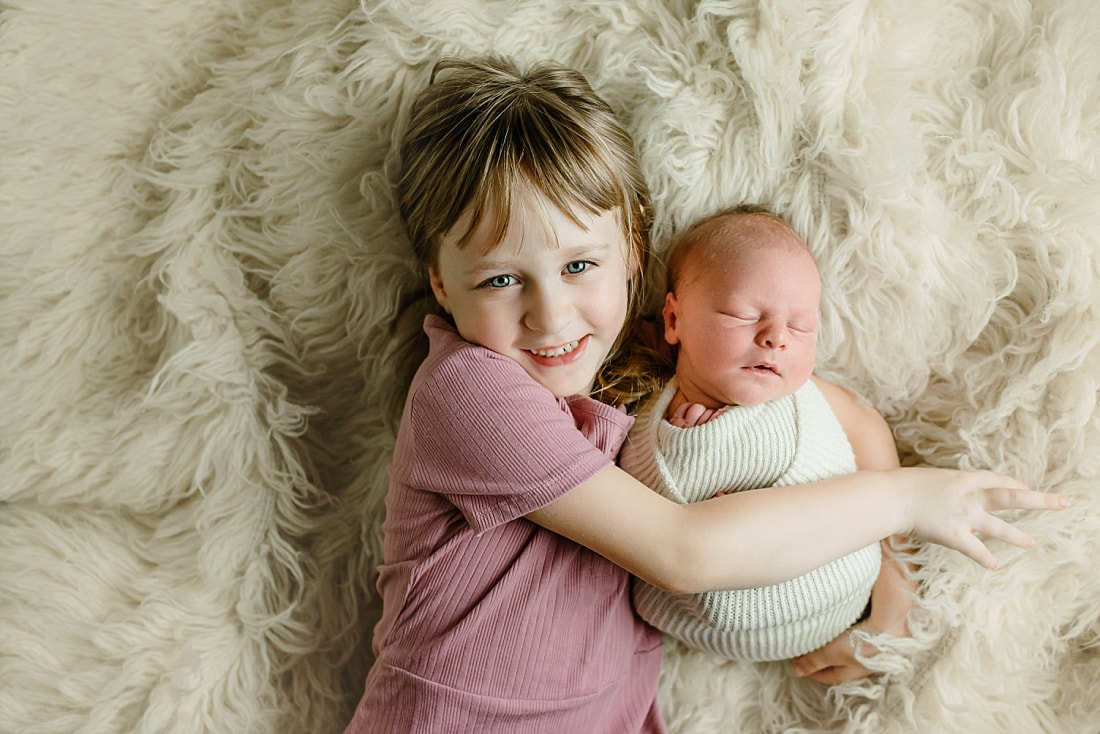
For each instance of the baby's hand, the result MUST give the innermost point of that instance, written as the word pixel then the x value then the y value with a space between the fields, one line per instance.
pixel 892 596
pixel 835 662
pixel 690 415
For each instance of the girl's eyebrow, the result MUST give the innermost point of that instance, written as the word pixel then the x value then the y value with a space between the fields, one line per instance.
pixel 588 249
pixel 485 266
pixel 577 252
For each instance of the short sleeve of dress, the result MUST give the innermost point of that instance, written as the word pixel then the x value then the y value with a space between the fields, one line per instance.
pixel 496 443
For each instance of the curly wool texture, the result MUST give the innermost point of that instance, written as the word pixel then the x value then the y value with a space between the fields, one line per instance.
pixel 209 315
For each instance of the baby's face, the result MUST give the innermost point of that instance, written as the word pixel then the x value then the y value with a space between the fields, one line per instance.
pixel 746 328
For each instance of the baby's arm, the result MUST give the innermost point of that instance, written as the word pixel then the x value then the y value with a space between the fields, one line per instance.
pixel 868 433
pixel 893 594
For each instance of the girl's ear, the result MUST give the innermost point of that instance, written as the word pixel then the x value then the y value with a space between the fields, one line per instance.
pixel 669 314
pixel 438 289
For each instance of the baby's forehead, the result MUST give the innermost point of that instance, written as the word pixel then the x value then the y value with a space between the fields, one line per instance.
pixel 721 238
pixel 772 280
pixel 748 234
pixel 772 257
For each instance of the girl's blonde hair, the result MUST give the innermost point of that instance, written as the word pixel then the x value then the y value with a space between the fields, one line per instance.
pixel 482 127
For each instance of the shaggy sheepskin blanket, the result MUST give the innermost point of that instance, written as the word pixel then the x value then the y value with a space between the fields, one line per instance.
pixel 209 315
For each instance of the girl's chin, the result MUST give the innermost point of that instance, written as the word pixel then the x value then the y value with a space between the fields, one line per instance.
pixel 566 388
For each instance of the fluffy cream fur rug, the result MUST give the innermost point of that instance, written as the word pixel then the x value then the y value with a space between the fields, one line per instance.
pixel 202 362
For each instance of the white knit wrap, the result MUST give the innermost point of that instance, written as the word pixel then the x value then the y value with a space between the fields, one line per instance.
pixel 792 440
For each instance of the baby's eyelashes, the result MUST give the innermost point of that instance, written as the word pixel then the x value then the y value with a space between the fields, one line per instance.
pixel 743 318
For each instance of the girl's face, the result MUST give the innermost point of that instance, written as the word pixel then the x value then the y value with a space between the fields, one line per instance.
pixel 746 329
pixel 552 295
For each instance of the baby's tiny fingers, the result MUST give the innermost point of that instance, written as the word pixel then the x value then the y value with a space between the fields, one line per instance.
pixel 694 412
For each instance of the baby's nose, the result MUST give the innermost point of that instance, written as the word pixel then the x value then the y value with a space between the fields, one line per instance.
pixel 773 337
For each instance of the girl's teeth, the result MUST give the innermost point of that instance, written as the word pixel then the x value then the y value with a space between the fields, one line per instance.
pixel 556 352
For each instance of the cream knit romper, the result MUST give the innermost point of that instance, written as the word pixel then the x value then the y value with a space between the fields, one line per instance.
pixel 791 440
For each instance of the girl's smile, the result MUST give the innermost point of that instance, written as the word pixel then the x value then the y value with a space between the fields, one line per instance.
pixel 551 295
pixel 566 354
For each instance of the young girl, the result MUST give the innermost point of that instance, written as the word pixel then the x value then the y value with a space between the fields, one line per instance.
pixel 510 533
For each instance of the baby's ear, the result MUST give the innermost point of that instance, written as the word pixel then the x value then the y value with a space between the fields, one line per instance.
pixel 668 313
pixel 438 289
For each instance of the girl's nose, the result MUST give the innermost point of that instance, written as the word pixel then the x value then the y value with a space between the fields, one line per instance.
pixel 547 310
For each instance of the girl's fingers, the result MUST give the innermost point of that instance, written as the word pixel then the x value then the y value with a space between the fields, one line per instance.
pixel 1006 493
pixel 996 479
pixel 994 527
pixel 970 545
pixel 1032 500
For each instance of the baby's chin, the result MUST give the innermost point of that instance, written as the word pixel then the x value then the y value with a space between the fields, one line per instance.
pixel 750 395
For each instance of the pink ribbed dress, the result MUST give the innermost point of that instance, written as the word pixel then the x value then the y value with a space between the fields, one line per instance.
pixel 490 622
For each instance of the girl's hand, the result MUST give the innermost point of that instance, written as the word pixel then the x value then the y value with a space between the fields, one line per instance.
pixel 952 507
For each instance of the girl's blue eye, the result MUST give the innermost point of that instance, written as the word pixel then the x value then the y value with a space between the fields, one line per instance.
pixel 499 281
pixel 577 267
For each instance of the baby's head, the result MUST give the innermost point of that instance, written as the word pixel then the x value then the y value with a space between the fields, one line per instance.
pixel 742 309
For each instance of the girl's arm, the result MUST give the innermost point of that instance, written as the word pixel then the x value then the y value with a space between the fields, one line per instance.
pixel 767 536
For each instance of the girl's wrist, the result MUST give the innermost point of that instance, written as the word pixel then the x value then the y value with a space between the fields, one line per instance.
pixel 895 495
pixel 907 498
